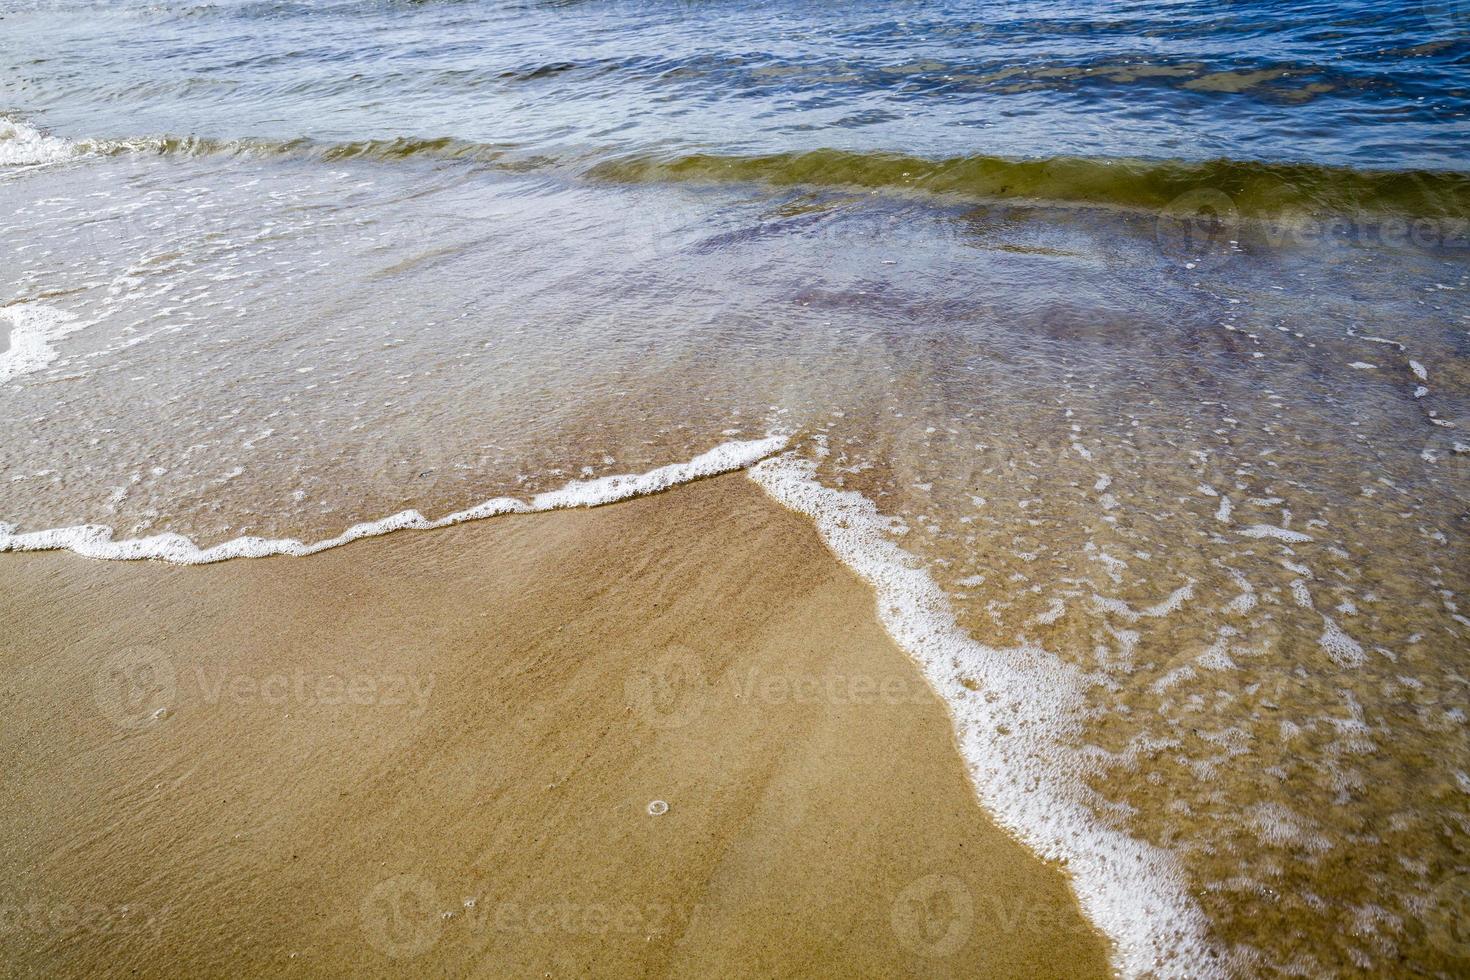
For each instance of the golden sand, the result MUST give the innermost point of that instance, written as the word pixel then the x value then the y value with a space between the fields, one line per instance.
pixel 436 753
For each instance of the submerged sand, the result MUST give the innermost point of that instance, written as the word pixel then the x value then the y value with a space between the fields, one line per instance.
pixel 436 753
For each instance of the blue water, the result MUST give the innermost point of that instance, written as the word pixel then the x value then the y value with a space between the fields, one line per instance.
pixel 1361 84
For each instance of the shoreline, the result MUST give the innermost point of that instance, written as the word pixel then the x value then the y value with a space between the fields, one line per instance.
pixel 96 540
pixel 439 752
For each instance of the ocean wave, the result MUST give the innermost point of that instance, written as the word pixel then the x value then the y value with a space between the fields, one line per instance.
pixel 1017 713
pixel 22 145
pixel 96 541
pixel 1256 190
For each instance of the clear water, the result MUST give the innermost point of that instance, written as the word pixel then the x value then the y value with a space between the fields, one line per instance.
pixel 1049 283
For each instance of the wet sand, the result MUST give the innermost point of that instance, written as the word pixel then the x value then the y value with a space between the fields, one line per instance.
pixel 435 753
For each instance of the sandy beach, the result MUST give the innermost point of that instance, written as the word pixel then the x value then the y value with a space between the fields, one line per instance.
pixel 661 737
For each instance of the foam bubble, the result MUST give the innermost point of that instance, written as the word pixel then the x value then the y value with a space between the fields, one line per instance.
pixel 1053 612
pixel 1222 513
pixel 1216 656
pixel 1241 604
pixel 22 145
pixel 1182 673
pixel 1278 826
pixel 1018 714
pixel 95 540
pixel 33 327
pixel 1271 531
pixel 1159 609
pixel 1341 648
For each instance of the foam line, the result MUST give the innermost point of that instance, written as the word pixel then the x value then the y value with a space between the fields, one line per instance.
pixel 34 328
pixel 95 540
pixel 1018 715
pixel 22 145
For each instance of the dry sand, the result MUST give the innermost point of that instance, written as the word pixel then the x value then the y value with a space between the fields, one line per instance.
pixel 434 753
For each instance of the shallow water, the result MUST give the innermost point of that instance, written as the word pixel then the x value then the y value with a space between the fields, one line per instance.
pixel 1146 324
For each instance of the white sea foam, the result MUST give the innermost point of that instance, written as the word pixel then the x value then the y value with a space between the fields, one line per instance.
pixel 1222 513
pixel 1053 613
pixel 1241 604
pixel 1018 713
pixel 95 540
pixel 22 145
pixel 33 328
pixel 1341 648
pixel 1278 826
pixel 1271 531
pixel 1159 609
